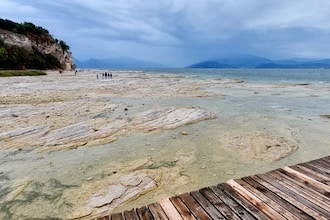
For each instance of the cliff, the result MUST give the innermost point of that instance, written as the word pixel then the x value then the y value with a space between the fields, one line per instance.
pixel 35 41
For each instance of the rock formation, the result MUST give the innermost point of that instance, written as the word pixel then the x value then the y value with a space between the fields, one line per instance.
pixel 43 42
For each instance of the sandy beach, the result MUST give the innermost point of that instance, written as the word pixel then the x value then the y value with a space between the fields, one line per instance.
pixel 80 146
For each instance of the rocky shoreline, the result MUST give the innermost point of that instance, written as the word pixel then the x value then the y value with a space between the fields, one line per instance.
pixel 57 127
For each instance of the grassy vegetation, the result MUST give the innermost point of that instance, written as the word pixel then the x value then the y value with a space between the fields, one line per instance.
pixel 7 73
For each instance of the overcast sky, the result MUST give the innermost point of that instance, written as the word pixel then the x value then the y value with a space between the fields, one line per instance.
pixel 181 32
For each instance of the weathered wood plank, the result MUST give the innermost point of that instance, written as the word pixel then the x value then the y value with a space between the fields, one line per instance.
pixel 104 218
pixel 322 167
pixel 207 206
pixel 304 192
pixel 255 201
pixel 277 199
pixel 317 211
pixel 313 187
pixel 131 215
pixel 144 213
pixel 322 162
pixel 312 174
pixel 287 197
pixel 302 179
pixel 231 203
pixel 315 168
pixel 219 204
pixel 194 207
pixel 243 202
pixel 297 192
pixel 117 216
pixel 157 211
pixel 169 209
pixel 271 203
pixel 182 208
pixel 326 159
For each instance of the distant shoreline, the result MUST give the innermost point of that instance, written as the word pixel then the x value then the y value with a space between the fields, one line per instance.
pixel 10 73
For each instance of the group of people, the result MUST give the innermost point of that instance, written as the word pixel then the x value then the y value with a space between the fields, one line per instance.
pixel 105 75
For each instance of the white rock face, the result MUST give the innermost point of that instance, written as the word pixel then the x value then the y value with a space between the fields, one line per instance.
pixel 57 127
pixel 170 118
pixel 54 49
pixel 127 187
pixel 15 39
pixel 261 146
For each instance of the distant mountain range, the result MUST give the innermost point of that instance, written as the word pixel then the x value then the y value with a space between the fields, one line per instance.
pixel 251 61
pixel 230 61
pixel 117 63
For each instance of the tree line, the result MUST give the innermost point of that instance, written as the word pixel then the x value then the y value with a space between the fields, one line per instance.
pixel 14 57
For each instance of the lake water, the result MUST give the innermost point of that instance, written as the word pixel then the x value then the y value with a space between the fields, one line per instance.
pixel 257 75
pixel 254 108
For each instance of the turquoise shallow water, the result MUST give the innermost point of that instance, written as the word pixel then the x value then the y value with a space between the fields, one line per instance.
pixel 259 102
pixel 257 75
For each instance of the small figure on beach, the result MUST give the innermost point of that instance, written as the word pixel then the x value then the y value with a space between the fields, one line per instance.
pixel 97 76
pixel 110 75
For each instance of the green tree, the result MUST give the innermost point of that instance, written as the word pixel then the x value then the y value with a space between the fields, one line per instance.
pixel 64 46
pixel 3 55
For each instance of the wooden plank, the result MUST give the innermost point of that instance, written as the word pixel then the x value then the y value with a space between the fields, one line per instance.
pixel 170 210
pixel 312 174
pixel 316 169
pixel 207 206
pixel 194 207
pixel 243 202
pixel 182 208
pixel 306 180
pixel 308 207
pixel 323 163
pixel 326 159
pixel 288 198
pixel 304 192
pixel 277 199
pixel 219 204
pixel 231 203
pixel 297 192
pixel 117 216
pixel 271 203
pixel 323 168
pixel 104 218
pixel 260 205
pixel 157 211
pixel 144 213
pixel 131 215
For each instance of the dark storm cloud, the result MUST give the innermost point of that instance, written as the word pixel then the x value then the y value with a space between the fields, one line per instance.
pixel 180 32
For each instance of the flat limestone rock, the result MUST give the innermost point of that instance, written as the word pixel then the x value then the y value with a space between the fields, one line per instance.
pixel 20 138
pixel 118 191
pixel 102 131
pixel 21 132
pixel 261 145
pixel 17 189
pixel 169 118
pixel 127 187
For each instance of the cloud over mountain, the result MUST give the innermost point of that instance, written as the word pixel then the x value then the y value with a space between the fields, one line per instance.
pixel 181 32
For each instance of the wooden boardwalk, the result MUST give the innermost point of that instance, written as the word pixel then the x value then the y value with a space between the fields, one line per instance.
pixel 297 192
